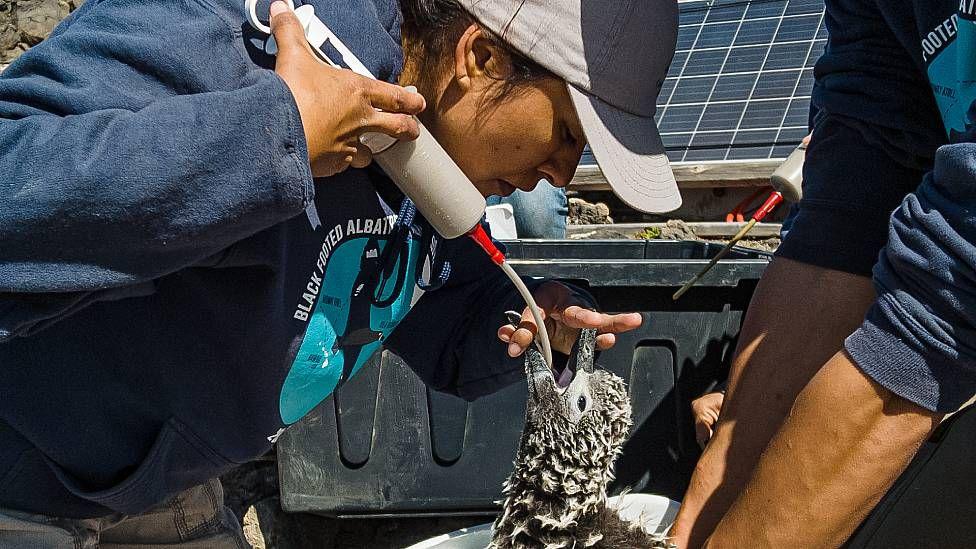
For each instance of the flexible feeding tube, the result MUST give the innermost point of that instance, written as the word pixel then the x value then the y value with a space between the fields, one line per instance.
pixel 479 235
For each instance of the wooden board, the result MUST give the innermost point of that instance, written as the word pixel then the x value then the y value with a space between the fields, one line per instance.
pixel 748 173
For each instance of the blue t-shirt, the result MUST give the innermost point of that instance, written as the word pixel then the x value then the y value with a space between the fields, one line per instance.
pixel 175 289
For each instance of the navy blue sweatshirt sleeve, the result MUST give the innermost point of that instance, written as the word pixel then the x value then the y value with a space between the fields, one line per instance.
pixel 919 338
pixel 136 141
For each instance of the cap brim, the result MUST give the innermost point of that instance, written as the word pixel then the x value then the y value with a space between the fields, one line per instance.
pixel 630 153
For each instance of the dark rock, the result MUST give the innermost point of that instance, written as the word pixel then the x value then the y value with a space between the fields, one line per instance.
pixel 9 35
pixel 24 23
pixel 582 212
pixel 37 18
pixel 675 229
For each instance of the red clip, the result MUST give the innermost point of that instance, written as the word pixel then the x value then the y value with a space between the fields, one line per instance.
pixel 479 235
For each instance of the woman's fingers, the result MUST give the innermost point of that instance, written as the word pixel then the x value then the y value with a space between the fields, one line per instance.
pixel 564 317
pixel 337 106
pixel 711 416
pixel 394 99
pixel 575 316
pixel 522 336
pixel 362 158
pixel 605 341
pixel 400 126
pixel 288 34
pixel 519 339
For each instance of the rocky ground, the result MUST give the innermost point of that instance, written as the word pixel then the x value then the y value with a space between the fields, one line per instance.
pixel 582 212
pixel 24 23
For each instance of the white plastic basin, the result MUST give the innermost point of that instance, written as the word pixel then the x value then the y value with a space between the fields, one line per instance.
pixel 655 512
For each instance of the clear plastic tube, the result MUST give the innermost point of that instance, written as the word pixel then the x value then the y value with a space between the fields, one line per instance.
pixel 543 335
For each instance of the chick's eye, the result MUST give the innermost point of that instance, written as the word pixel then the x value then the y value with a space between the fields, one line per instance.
pixel 581 403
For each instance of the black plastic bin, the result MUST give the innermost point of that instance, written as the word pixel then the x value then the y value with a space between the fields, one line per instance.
pixel 385 445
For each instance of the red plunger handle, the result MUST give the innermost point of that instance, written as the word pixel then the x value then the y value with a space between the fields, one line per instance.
pixel 768 206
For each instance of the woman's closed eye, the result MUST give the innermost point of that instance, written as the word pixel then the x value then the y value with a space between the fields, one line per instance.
pixel 568 136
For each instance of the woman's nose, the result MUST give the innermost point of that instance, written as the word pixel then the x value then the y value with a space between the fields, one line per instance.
pixel 560 168
pixel 558 177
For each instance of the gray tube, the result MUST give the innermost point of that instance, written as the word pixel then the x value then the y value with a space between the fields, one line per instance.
pixel 424 172
pixel 542 337
pixel 788 176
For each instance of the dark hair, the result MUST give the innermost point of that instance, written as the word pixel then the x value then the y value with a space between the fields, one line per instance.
pixel 433 27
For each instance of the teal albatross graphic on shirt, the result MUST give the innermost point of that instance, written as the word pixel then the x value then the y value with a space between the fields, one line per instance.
pixel 949 52
pixel 348 320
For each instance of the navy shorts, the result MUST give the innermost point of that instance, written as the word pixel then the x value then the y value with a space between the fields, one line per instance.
pixel 842 221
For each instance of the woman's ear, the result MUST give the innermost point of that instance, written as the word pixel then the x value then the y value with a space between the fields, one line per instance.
pixel 476 57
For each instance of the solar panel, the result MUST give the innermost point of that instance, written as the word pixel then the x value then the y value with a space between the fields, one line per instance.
pixel 739 85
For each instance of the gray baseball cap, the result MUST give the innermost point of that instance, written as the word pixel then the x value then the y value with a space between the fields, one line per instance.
pixel 613 55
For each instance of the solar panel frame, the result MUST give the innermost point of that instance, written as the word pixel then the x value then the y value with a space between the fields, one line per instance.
pixel 739 86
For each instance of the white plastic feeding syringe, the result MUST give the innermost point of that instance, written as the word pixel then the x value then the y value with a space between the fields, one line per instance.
pixel 420 168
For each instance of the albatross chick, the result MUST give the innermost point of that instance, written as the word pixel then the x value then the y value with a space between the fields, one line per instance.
pixel 575 427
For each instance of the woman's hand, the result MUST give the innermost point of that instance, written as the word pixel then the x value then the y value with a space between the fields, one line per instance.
pixel 565 315
pixel 338 106
pixel 705 411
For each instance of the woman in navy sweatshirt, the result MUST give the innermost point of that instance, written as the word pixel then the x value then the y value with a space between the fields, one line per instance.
pixel 188 264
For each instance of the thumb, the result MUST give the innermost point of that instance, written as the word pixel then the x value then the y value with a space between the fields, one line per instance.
pixel 288 32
